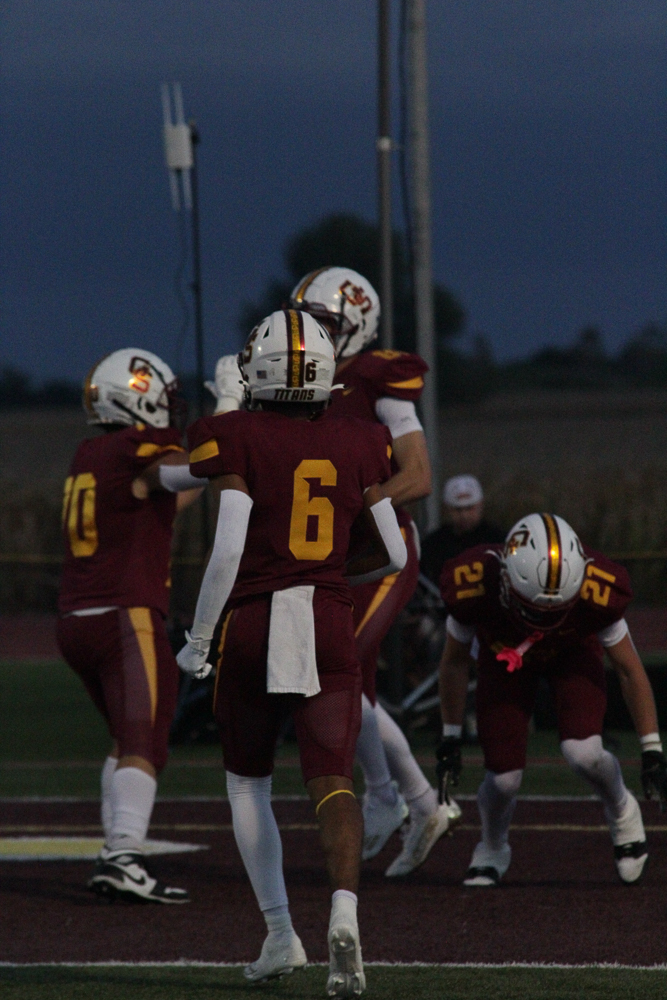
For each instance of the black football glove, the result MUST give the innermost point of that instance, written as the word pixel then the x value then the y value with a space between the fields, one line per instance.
pixel 654 776
pixel 449 765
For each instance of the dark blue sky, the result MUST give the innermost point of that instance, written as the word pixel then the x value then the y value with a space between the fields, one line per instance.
pixel 548 141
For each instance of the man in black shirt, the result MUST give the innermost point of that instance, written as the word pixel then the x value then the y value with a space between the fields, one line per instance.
pixel 463 527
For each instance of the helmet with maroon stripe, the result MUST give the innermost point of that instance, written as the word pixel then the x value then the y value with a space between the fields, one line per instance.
pixel 542 570
pixel 345 302
pixel 128 387
pixel 288 358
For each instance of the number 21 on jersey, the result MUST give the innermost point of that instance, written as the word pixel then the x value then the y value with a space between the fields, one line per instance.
pixel 79 513
pixel 312 522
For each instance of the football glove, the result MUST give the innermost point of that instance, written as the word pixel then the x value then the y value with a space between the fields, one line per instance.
pixel 449 765
pixel 192 658
pixel 228 387
pixel 654 776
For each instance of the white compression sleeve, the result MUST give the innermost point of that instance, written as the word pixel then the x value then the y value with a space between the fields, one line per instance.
pixel 230 535
pixel 258 838
pixel 176 478
pixel 399 415
pixel 371 756
pixel 132 798
pixel 385 519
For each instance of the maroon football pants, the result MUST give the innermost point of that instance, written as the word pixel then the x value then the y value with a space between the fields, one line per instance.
pixel 505 703
pixel 125 661
pixel 376 606
pixel 327 725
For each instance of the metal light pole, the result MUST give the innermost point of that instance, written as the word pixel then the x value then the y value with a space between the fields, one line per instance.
pixel 384 147
pixel 418 140
pixel 180 144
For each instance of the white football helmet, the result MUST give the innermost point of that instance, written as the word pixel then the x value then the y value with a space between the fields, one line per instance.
pixel 542 570
pixel 129 386
pixel 345 302
pixel 288 358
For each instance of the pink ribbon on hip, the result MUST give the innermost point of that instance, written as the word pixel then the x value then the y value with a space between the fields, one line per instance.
pixel 514 657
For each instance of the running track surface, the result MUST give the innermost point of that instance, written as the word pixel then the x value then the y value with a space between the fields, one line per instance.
pixel 561 900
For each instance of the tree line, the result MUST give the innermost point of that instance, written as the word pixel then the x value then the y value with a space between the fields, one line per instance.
pixel 463 376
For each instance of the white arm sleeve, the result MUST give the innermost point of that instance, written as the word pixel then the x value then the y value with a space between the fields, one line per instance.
pixel 399 415
pixel 385 519
pixel 613 634
pixel 462 633
pixel 176 478
pixel 230 535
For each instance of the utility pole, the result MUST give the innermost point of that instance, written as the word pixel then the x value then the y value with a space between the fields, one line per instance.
pixel 384 147
pixel 418 140
pixel 180 144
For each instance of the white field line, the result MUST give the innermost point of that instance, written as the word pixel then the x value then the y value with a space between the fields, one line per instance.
pixel 194 964
pixel 27 799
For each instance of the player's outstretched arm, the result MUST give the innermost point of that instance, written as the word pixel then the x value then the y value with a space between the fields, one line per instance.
pixel 220 575
pixel 413 479
pixel 453 684
pixel 638 695
pixel 391 554
pixel 171 472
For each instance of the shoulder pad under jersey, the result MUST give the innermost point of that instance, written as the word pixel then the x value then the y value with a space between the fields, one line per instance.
pixel 393 373
pixel 468 581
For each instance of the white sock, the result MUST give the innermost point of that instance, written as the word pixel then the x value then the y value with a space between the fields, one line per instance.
pixel 601 769
pixel 343 908
pixel 496 799
pixel 105 785
pixel 132 797
pixel 258 840
pixel 412 782
pixel 371 756
pixel 278 920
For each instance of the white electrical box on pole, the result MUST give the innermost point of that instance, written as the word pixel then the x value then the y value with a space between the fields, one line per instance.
pixel 419 158
pixel 177 146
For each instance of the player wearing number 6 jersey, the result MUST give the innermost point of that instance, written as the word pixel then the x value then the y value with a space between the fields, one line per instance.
pixel 118 512
pixel 293 479
pixel 382 387
pixel 544 606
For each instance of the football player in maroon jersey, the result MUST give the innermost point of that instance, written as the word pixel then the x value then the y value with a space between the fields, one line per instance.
pixel 293 478
pixel 382 387
pixel 544 606
pixel 118 512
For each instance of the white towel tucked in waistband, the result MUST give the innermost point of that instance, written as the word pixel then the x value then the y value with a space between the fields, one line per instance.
pixel 291 664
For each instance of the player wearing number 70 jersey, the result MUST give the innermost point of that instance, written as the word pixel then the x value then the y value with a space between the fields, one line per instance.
pixel 293 479
pixel 118 512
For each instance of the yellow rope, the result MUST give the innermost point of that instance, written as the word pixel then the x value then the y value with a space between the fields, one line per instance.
pixel 339 791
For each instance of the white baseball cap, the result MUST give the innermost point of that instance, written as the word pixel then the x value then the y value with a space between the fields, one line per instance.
pixel 462 491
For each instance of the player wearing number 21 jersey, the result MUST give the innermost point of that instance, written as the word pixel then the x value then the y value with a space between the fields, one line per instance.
pixel 543 606
pixel 293 481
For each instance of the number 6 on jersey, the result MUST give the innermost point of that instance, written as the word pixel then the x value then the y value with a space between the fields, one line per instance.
pixel 304 507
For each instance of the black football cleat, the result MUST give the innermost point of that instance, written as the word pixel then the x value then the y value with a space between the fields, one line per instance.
pixel 123 875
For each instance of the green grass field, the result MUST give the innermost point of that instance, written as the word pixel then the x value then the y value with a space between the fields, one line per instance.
pixel 52 742
pixel 411 983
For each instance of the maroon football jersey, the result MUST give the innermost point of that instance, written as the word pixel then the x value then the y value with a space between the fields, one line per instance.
pixel 372 375
pixel 470 587
pixel 306 479
pixel 117 547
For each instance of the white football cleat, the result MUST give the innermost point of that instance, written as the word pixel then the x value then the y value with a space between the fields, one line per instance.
pixel 281 955
pixel 487 867
pixel 421 835
pixel 346 969
pixel 629 839
pixel 380 821
pixel 454 813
